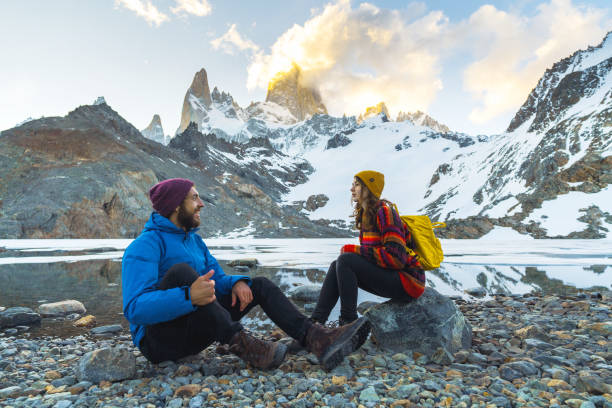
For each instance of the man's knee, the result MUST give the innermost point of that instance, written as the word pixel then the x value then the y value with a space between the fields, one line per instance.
pixel 262 283
pixel 181 274
pixel 182 269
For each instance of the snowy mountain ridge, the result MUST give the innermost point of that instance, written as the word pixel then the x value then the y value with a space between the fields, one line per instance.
pixel 548 175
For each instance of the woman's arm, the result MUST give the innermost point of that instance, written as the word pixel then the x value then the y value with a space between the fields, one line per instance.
pixel 391 253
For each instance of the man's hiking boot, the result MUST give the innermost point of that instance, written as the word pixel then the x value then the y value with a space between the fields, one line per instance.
pixel 260 353
pixel 331 345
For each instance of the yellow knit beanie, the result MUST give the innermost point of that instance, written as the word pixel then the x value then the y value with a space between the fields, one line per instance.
pixel 374 180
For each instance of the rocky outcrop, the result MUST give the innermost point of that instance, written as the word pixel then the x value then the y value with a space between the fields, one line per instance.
pixel 155 131
pixel 225 103
pixel 196 102
pixel 87 175
pixel 340 139
pixel 563 85
pixel 316 201
pixel 288 89
pixel 424 325
pixel 468 228
pixel 422 119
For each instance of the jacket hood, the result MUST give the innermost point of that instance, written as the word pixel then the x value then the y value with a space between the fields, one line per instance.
pixel 161 223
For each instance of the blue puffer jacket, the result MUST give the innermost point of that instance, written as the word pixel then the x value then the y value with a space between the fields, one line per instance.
pixel 145 262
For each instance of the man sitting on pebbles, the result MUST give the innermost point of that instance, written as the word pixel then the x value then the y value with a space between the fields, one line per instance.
pixel 178 300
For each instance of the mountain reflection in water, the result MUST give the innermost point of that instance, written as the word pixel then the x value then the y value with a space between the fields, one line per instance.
pixel 32 274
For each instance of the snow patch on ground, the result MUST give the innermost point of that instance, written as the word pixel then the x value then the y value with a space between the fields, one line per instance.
pixel 504 233
pixel 559 216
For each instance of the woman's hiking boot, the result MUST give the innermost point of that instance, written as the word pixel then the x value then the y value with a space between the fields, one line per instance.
pixel 260 353
pixel 331 345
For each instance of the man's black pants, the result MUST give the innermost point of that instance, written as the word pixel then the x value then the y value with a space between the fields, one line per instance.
pixel 348 273
pixel 217 321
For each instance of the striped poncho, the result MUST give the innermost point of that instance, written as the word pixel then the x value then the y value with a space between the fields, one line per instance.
pixel 384 243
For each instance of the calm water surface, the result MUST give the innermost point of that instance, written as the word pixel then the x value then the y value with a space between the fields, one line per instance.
pixel 41 271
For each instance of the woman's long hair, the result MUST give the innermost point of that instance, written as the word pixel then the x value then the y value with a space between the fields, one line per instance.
pixel 370 208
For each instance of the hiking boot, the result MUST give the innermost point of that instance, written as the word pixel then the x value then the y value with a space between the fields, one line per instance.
pixel 260 353
pixel 294 346
pixel 331 345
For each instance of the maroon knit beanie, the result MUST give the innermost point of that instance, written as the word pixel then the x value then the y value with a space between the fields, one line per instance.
pixel 169 194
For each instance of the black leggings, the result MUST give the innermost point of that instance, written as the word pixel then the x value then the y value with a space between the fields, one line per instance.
pixel 348 273
pixel 216 321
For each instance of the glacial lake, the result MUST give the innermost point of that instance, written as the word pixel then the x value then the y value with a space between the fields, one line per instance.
pixel 41 271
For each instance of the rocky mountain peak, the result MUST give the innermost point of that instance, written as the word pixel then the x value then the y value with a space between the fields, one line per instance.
pixel 287 89
pixel 422 119
pixel 562 86
pixel 99 101
pixel 197 99
pixel 221 97
pixel 371 111
pixel 155 131
pixel 199 87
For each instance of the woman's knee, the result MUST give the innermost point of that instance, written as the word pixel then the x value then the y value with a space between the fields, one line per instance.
pixel 348 258
pixel 347 262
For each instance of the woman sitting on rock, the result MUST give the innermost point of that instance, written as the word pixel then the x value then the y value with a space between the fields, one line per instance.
pixel 380 264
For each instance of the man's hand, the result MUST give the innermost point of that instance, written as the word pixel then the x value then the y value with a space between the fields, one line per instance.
pixel 203 290
pixel 242 291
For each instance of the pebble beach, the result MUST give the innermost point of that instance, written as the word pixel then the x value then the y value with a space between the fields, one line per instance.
pixel 528 350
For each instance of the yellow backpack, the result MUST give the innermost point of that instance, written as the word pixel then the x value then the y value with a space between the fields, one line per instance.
pixel 428 248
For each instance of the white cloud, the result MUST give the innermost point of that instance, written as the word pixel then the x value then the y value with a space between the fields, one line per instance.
pixel 144 9
pixel 198 8
pixel 232 40
pixel 360 56
pixel 513 51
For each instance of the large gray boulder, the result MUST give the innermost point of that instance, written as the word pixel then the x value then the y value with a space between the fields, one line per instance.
pixel 18 316
pixel 306 293
pixel 106 364
pixel 422 325
pixel 62 308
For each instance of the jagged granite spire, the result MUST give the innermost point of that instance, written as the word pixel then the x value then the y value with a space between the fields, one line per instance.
pixel 287 90
pixel 422 119
pixel 371 111
pixel 197 101
pixel 155 131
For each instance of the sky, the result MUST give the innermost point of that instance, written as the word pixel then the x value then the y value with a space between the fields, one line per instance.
pixel 469 64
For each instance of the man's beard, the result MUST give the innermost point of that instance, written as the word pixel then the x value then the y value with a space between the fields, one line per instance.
pixel 186 220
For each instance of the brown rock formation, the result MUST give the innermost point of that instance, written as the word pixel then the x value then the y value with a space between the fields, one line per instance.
pixel 422 119
pixel 198 90
pixel 288 90
pixel 374 111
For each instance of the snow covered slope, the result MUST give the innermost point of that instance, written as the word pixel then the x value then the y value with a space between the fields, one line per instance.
pixel 548 175
pixel 552 167
pixel 407 154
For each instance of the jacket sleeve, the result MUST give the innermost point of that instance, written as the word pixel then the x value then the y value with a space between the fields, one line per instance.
pixel 143 302
pixel 223 283
pixel 391 254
